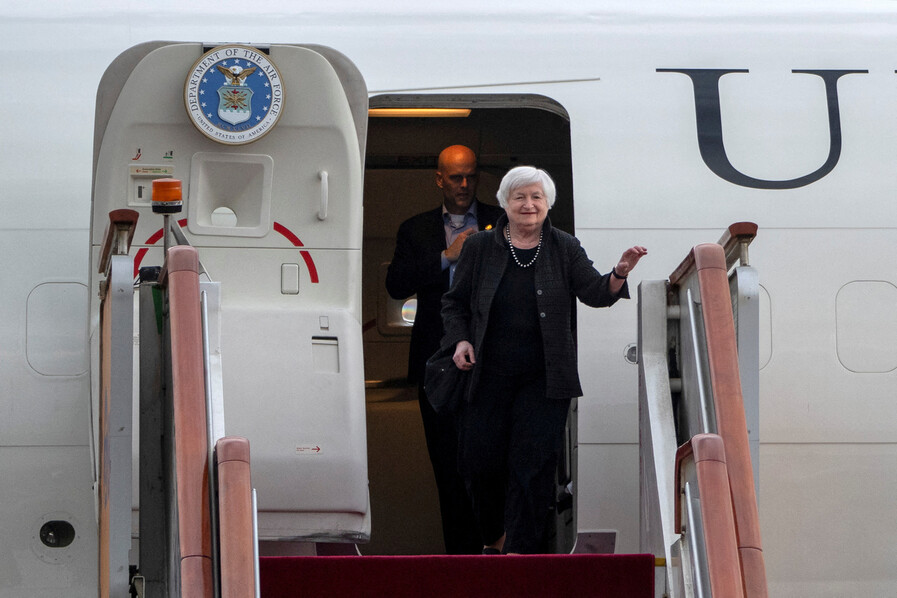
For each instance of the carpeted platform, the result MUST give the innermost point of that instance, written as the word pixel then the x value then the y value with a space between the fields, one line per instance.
pixel 542 576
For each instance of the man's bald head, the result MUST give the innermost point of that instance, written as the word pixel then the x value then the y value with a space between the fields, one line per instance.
pixel 457 176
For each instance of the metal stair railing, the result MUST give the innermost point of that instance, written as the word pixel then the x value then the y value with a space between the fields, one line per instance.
pixel 709 543
pixel 115 402
pixel 690 384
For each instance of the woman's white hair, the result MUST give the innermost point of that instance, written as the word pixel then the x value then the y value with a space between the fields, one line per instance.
pixel 521 176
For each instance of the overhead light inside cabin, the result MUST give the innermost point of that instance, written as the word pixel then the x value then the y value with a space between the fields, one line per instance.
pixel 418 112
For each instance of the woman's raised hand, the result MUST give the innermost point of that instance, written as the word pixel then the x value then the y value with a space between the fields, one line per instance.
pixel 628 260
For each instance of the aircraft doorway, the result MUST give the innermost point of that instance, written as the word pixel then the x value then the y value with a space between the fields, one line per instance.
pixel 400 164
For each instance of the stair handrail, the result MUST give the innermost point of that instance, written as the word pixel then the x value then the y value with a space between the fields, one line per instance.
pixel 717 517
pixel 735 241
pixel 118 236
pixel 180 274
pixel 235 518
pixel 722 352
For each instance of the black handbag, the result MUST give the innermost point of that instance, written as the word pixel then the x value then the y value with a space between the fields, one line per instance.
pixel 444 384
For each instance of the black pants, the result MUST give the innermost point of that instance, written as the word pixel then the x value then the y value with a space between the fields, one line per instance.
pixel 511 439
pixel 459 530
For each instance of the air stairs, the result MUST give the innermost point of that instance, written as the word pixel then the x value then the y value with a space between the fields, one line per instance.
pixel 697 392
pixel 699 420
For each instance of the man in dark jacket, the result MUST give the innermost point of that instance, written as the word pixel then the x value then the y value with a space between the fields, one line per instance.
pixel 427 247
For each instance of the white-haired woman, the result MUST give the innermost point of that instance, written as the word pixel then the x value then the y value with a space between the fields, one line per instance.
pixel 509 317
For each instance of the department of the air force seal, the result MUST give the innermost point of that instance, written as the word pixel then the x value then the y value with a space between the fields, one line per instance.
pixel 234 94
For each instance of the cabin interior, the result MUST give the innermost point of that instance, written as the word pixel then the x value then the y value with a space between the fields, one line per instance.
pixel 399 182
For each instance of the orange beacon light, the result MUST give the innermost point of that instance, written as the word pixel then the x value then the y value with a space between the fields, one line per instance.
pixel 167 198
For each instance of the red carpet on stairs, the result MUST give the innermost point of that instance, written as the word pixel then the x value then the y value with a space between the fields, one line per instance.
pixel 543 576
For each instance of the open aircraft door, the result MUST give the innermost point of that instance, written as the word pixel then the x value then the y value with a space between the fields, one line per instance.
pixel 269 145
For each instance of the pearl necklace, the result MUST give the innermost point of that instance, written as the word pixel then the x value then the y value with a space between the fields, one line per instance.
pixel 514 255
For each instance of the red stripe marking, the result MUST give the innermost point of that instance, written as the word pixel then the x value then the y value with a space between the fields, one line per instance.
pixel 312 271
pixel 292 238
pixel 288 234
pixel 309 263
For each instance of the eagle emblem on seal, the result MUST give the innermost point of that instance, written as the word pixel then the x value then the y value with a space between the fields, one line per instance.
pixel 235 105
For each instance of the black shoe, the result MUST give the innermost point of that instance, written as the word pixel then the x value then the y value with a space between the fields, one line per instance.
pixel 489 550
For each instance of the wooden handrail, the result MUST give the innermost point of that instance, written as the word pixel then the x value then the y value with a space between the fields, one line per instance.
pixel 119 221
pixel 720 538
pixel 736 240
pixel 722 354
pixel 181 276
pixel 736 237
pixel 237 548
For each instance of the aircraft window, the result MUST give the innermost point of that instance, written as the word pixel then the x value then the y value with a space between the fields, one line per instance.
pixel 56 329
pixel 866 329
pixel 57 534
pixel 409 310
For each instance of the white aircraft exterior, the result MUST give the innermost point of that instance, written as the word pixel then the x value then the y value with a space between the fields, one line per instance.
pixel 803 95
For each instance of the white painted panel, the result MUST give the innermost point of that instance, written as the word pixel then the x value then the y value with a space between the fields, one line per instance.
pixel 806 393
pixel 315 458
pixel 322 275
pixel 43 409
pixel 827 519
pixel 315 133
pixel 293 381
